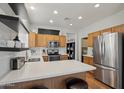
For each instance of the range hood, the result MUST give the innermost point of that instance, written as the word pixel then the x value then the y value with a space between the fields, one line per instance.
pixel 10 21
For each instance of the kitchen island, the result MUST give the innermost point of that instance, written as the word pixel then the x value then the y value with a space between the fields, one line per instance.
pixel 51 74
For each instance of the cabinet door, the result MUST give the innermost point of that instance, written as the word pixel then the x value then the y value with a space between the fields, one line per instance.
pixel 91 37
pixel 56 38
pixel 119 28
pixel 49 38
pixel 90 40
pixel 62 41
pixel 109 30
pixel 64 57
pixel 31 39
pixel 41 40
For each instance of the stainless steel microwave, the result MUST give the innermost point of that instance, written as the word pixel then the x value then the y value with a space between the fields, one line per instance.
pixel 53 44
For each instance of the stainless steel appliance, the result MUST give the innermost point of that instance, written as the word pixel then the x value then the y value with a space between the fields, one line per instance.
pixel 17 63
pixel 108 58
pixel 53 54
pixel 53 44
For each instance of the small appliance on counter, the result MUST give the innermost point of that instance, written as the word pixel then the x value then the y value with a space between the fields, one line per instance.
pixel 53 54
pixel 17 63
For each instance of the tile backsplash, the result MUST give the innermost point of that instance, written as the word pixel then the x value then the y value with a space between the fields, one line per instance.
pixel 38 51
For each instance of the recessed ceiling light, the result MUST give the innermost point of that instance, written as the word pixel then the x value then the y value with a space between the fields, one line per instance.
pixel 32 7
pixel 55 12
pixel 51 21
pixel 70 24
pixel 80 17
pixel 97 5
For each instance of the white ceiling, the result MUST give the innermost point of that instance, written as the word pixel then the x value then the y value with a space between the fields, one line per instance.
pixel 43 12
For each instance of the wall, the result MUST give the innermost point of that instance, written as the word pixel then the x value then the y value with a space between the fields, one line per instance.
pixel 110 21
pixel 8 34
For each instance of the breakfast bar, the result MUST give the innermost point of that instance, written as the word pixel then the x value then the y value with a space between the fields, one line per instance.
pixel 50 74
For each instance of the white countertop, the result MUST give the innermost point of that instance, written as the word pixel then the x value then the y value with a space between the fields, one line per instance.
pixel 42 70
pixel 88 55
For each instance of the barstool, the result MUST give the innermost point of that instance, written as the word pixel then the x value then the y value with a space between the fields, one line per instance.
pixel 76 83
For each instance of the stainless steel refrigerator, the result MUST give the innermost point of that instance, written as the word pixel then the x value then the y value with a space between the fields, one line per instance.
pixel 108 58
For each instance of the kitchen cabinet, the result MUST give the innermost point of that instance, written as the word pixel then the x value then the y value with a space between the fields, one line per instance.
pixel 119 28
pixel 88 60
pixel 41 40
pixel 108 30
pixel 45 58
pixel 63 57
pixel 31 39
pixel 91 37
pixel 49 38
pixel 56 38
pixel 62 41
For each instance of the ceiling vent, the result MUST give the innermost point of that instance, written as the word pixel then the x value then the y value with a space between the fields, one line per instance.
pixel 67 19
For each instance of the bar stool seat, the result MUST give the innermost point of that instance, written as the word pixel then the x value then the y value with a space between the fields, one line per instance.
pixel 76 83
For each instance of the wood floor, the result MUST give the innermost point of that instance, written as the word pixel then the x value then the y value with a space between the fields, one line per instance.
pixel 93 83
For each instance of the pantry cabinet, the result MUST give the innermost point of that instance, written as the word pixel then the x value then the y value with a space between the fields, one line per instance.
pixel 31 39
pixel 62 41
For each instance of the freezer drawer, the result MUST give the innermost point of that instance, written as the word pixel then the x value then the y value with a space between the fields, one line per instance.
pixel 106 75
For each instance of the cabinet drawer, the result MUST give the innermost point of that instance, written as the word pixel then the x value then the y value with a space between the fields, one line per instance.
pixel 64 57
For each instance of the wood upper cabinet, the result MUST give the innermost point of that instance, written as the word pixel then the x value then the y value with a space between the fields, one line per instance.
pixel 56 38
pixel 41 40
pixel 91 37
pixel 49 38
pixel 31 39
pixel 108 30
pixel 62 41
pixel 119 28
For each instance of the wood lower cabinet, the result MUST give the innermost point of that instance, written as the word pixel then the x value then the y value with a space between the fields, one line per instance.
pixel 31 39
pixel 63 57
pixel 62 41
pixel 45 58
pixel 119 28
pixel 88 60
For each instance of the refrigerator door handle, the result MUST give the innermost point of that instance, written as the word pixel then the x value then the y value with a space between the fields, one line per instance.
pixel 103 67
